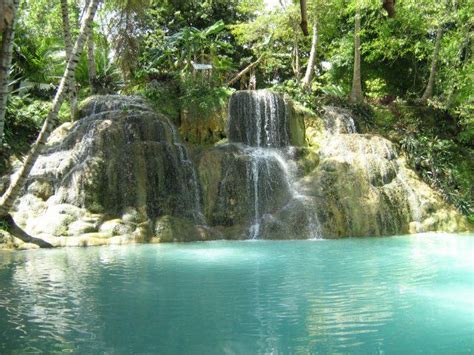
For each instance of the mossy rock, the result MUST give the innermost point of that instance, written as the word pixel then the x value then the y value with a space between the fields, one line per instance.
pixel 175 229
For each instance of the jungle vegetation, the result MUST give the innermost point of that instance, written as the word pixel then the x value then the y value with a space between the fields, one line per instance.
pixel 404 68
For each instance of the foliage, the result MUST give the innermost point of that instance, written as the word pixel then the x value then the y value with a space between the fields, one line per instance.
pixel 438 162
pixel 168 76
pixel 149 47
pixel 203 98
pixel 37 59
pixel 24 116
pixel 293 89
pixel 109 78
pixel 177 52
pixel 170 98
pixel 126 21
pixel 430 139
pixel 164 94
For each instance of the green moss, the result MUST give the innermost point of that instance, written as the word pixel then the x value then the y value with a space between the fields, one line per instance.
pixel 307 159
pixel 175 229
pixel 297 114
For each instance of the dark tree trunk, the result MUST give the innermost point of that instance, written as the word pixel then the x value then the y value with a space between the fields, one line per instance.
pixel 7 36
pixel 304 17
pixel 389 6
pixel 19 233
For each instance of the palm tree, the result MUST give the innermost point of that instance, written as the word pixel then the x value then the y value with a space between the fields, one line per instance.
pixel 11 194
pixel 68 48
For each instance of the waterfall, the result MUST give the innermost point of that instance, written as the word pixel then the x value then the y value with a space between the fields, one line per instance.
pixel 121 173
pixel 259 121
pixel 120 155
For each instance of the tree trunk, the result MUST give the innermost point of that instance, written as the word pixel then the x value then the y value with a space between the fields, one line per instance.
pixel 19 233
pixel 304 17
pixel 243 82
pixel 5 63
pixel 389 6
pixel 244 71
pixel 91 65
pixel 434 64
pixel 11 194
pixel 296 61
pixel 7 13
pixel 252 80
pixel 66 28
pixel 312 57
pixel 356 93
pixel 68 48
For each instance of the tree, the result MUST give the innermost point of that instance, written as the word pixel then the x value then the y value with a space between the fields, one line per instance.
pixel 319 13
pixel 428 93
pixel 19 180
pixel 91 63
pixel 312 57
pixel 8 9
pixel 68 48
pixel 304 17
pixel 273 33
pixel 126 30
pixel 356 92
pixel 445 14
pixel 244 71
pixel 7 23
pixel 389 6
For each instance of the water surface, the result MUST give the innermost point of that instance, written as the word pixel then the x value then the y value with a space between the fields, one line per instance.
pixel 375 295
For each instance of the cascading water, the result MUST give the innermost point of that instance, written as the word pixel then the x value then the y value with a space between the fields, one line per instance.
pixel 259 121
pixel 121 174
pixel 122 155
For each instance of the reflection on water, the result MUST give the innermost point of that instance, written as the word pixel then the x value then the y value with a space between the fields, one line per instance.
pixel 368 295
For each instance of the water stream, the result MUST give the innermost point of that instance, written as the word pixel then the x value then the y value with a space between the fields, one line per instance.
pixel 259 120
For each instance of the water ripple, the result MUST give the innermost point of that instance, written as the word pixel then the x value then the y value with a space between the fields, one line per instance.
pixel 367 296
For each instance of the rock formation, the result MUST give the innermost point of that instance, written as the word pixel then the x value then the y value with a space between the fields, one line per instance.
pixel 364 187
pixel 120 174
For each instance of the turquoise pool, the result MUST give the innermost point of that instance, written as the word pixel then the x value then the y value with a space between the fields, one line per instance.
pixel 373 295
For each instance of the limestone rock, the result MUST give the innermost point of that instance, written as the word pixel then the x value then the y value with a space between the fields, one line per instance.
pixel 80 227
pixel 119 160
pixel 120 174
pixel 116 227
pixel 228 176
pixel 41 188
pixel 203 127
pixel 175 229
pixel 362 187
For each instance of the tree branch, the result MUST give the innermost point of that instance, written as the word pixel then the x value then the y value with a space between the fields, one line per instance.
pixel 244 71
